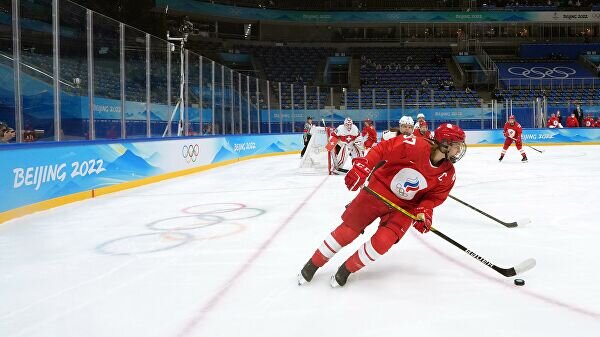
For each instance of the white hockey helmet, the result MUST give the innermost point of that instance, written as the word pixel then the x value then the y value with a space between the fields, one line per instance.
pixel 348 123
pixel 420 116
pixel 407 120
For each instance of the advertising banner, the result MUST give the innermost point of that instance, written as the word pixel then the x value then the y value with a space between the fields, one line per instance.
pixel 34 173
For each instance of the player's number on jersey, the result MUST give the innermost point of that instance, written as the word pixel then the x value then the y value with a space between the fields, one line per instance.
pixel 410 140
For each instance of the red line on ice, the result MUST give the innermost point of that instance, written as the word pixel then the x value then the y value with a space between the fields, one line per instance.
pixel 529 293
pixel 201 314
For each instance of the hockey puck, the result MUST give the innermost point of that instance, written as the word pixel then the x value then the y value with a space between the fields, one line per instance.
pixel 519 282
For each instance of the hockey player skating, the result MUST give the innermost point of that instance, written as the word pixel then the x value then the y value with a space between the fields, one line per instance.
pixel 369 135
pixel 418 176
pixel 344 142
pixel 512 133
pixel 420 118
pixel 406 124
pixel 422 130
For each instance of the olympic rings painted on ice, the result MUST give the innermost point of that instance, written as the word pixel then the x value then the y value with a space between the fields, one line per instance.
pixel 190 152
pixel 143 243
pixel 201 218
pixel 543 72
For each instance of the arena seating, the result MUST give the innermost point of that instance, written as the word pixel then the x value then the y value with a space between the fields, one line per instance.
pixel 398 69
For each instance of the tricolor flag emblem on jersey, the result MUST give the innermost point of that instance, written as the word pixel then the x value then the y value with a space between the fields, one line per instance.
pixel 411 184
pixel 407 182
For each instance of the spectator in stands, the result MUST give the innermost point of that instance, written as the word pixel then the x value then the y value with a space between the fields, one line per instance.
pixel 417 67
pixel 572 121
pixel 578 114
pixel 424 83
pixel 6 133
pixel 468 90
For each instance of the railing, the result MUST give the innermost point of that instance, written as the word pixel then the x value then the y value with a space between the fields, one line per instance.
pixel 550 83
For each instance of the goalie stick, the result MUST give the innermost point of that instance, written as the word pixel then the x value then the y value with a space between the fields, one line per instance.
pixel 507 272
pixel 506 224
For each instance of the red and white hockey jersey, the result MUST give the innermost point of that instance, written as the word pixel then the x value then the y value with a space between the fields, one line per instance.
pixel 513 131
pixel 588 122
pixel 408 178
pixel 343 135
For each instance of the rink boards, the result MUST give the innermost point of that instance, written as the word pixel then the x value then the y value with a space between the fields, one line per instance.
pixel 35 177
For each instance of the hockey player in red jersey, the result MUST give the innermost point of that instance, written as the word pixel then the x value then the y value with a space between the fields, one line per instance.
pixel 553 122
pixel 512 132
pixel 418 175
pixel 422 130
pixel 598 122
pixel 572 121
pixel 369 134
pixel 588 121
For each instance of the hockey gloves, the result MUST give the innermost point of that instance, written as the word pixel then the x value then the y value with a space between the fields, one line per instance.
pixel 425 216
pixel 358 174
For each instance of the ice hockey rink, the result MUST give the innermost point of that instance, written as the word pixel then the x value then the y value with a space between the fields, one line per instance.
pixel 217 253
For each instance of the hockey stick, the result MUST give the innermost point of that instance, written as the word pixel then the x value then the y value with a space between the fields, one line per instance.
pixel 506 224
pixel 529 146
pixel 508 272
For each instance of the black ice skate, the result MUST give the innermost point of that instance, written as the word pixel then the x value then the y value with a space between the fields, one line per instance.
pixel 307 273
pixel 501 157
pixel 340 278
pixel 524 160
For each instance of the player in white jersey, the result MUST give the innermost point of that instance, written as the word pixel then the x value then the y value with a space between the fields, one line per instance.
pixel 406 129
pixel 344 142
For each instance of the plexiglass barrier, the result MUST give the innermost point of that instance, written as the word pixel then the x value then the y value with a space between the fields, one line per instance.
pixel 72 74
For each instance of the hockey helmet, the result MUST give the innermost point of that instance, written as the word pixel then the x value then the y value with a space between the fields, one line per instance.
pixel 406 120
pixel 348 123
pixel 369 120
pixel 422 124
pixel 447 135
pixel 420 116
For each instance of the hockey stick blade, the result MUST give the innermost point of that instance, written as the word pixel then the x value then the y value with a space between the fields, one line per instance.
pixel 505 224
pixel 523 222
pixel 518 269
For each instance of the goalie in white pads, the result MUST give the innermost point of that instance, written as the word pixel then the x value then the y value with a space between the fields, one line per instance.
pixel 344 142
pixel 405 129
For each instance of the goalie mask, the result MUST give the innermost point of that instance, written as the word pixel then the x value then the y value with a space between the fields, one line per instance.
pixel 451 138
pixel 348 123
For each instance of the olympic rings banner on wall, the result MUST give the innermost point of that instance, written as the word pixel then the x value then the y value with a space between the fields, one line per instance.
pixel 31 173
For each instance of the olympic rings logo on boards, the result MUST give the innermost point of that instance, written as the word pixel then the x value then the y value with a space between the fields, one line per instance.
pixel 543 72
pixel 190 153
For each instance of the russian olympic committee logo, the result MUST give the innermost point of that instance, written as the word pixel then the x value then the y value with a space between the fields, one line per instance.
pixel 543 72
pixel 190 153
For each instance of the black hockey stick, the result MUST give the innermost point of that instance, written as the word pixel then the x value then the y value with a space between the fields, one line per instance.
pixel 508 272
pixel 540 151
pixel 506 224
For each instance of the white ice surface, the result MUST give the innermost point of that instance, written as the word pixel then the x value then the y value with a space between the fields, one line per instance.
pixel 87 269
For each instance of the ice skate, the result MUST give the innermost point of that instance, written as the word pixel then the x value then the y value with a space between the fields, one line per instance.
pixel 307 273
pixel 524 160
pixel 500 159
pixel 340 278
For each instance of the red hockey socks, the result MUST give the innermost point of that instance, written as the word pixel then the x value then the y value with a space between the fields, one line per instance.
pixel 371 250
pixel 340 237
